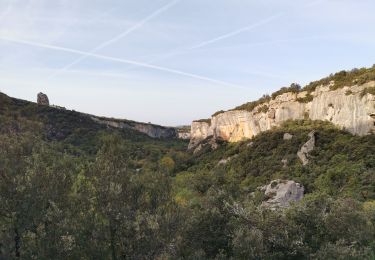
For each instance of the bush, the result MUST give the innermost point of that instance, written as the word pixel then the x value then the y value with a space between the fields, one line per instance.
pixel 368 91
pixel 294 88
pixel 251 105
pixel 308 98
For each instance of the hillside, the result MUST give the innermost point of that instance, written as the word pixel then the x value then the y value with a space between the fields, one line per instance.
pixel 75 188
pixel 346 99
pixel 75 128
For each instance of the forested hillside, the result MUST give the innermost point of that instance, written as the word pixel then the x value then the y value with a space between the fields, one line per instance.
pixel 73 189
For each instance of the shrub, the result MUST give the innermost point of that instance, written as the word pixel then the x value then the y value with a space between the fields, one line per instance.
pixel 208 120
pixel 294 88
pixel 263 109
pixel 344 78
pixel 251 105
pixel 218 113
pixel 308 98
pixel 368 91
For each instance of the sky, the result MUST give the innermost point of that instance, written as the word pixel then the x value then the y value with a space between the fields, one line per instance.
pixel 173 61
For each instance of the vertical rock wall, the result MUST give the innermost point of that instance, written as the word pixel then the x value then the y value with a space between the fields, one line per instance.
pixel 346 107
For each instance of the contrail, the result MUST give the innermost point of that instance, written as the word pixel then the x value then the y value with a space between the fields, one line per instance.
pixel 118 37
pixel 124 61
pixel 249 27
pixel 238 31
pixel 184 49
pixel 181 50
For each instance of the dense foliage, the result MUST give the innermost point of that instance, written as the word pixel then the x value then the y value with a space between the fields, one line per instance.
pixel 96 193
pixel 344 78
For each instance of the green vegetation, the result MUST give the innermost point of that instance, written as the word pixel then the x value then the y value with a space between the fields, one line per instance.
pixel 263 109
pixel 218 112
pixel 294 88
pixel 73 189
pixel 208 121
pixel 308 98
pixel 251 105
pixel 344 78
pixel 368 91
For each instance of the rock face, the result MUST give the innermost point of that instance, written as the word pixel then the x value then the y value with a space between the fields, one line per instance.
pixel 154 131
pixel 281 193
pixel 42 99
pixel 287 136
pixel 354 112
pixel 200 130
pixel 183 132
pixel 303 153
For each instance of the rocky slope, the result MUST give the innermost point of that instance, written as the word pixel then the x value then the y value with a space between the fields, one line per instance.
pixel 154 131
pixel 350 108
pixel 55 118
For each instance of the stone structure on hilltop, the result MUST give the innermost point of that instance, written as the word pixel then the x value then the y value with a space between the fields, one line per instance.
pixel 349 108
pixel 42 99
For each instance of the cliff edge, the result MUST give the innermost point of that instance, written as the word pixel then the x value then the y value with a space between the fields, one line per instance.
pixel 350 108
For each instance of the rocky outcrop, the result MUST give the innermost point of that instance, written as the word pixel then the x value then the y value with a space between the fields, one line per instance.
pixel 208 143
pixel 42 99
pixel 281 193
pixel 347 108
pixel 287 136
pixel 154 131
pixel 306 148
pixel 226 160
pixel 183 132
pixel 200 130
pixel 183 135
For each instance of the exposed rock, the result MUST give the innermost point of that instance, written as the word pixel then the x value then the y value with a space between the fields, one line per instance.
pixel 309 146
pixel 287 136
pixel 183 135
pixel 154 131
pixel 281 193
pixel 271 114
pixel 351 112
pixel 285 163
pixel 225 161
pixel 210 142
pixel 199 131
pixel 42 99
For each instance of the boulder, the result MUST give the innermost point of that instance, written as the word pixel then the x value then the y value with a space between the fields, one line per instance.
pixel 281 193
pixel 42 99
pixel 284 162
pixel 309 146
pixel 287 136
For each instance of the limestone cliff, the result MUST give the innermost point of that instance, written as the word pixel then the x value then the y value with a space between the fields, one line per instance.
pixel 349 108
pixel 154 131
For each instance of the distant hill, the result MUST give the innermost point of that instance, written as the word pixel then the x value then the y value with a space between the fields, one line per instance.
pixel 60 124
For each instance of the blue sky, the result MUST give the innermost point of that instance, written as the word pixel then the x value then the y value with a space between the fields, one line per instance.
pixel 173 61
